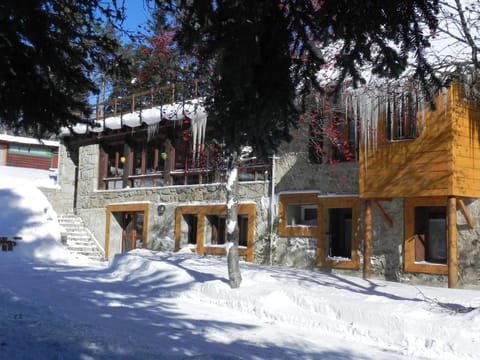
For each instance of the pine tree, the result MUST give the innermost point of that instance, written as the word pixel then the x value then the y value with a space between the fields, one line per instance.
pixel 48 51
pixel 266 56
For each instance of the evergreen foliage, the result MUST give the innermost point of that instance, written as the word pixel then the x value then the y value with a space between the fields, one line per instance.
pixel 266 54
pixel 49 50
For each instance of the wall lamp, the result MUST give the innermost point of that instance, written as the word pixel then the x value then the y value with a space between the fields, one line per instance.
pixel 160 209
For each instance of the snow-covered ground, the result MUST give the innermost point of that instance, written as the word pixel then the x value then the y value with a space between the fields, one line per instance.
pixel 149 305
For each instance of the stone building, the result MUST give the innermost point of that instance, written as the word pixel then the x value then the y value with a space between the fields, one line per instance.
pixel 392 192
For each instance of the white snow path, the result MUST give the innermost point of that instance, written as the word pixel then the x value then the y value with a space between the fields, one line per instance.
pixel 164 306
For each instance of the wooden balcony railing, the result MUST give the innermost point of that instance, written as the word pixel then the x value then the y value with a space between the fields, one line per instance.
pixel 169 94
pixel 188 176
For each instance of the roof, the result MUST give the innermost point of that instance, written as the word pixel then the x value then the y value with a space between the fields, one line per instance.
pixel 28 140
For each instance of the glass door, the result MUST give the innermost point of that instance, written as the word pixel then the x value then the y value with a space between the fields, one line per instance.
pixel 132 230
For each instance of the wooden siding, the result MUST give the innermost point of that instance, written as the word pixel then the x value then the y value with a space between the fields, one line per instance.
pixel 33 162
pixel 466 146
pixel 442 161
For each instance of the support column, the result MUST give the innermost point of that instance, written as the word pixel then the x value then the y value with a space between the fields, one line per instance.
pixel 452 243
pixel 367 248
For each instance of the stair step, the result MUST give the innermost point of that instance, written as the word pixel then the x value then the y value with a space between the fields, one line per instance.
pixel 78 239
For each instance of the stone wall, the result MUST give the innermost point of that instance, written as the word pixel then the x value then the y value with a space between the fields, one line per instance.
pixel 293 173
pixel 92 203
pixel 62 197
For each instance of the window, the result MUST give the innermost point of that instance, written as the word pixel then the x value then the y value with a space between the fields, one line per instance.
pixel 116 160
pixel 430 234
pixel 426 235
pixel 402 110
pixel 216 230
pixel 191 224
pixel 138 165
pixel 333 221
pixel 299 213
pixel 243 230
pixel 149 158
pixel 205 226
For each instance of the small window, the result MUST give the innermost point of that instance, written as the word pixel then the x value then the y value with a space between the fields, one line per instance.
pixel 426 235
pixel 402 110
pixel 191 222
pixel 116 161
pixel 216 230
pixel 431 234
pixel 298 214
pixel 243 230
pixel 302 215
pixel 205 227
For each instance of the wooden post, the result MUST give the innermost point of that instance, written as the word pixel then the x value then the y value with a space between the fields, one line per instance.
pixel 367 249
pixel 452 250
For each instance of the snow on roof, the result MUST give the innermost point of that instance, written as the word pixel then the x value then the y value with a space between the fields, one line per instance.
pixel 27 140
pixel 193 109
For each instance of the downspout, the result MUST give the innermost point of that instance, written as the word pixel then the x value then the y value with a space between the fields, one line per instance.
pixel 272 208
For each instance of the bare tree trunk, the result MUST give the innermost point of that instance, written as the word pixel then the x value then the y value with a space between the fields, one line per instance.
pixel 233 259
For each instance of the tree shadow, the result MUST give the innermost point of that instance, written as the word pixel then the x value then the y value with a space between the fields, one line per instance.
pixel 14 217
pixel 136 314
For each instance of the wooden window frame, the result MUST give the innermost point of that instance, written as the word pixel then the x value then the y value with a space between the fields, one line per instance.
pixel 296 199
pixel 320 230
pixel 202 211
pixel 323 260
pixel 410 264
pixel 144 207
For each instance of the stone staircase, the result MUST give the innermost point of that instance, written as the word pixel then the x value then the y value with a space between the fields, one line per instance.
pixel 78 239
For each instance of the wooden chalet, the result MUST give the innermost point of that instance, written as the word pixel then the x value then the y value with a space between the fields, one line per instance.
pixel 400 204
pixel 18 151
pixel 435 169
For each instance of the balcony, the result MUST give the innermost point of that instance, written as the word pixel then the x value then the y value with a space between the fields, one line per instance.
pixel 441 161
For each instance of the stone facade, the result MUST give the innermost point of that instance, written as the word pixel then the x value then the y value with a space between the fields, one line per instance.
pixel 293 173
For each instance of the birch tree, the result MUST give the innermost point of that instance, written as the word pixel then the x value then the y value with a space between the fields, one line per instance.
pixel 455 46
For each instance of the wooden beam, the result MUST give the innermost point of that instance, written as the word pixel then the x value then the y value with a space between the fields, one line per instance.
pixel 466 214
pixel 452 242
pixel 367 251
pixel 383 213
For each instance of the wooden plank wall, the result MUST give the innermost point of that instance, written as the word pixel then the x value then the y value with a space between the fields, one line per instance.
pixel 466 147
pixel 440 162
pixel 33 162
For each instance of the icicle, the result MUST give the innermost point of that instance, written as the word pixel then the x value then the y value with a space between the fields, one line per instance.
pixel 194 127
pixel 445 103
pixel 152 130
pixel 202 129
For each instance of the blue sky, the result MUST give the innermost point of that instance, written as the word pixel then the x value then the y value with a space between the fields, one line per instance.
pixel 137 14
